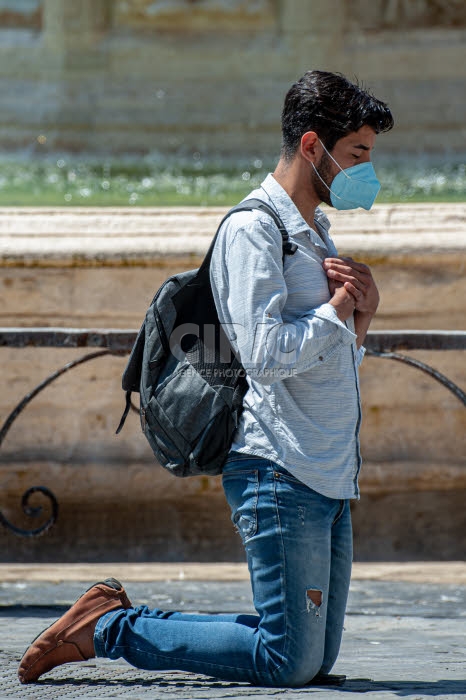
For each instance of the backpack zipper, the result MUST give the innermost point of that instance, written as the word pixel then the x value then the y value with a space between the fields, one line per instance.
pixel 161 332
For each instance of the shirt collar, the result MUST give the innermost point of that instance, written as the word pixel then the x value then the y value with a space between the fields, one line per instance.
pixel 289 213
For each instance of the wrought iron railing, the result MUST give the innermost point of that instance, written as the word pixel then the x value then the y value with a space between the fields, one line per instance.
pixel 382 344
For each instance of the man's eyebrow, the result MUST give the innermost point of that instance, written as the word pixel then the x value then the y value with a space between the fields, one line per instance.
pixel 362 147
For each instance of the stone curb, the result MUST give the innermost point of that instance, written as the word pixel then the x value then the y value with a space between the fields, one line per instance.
pixel 158 235
pixel 409 572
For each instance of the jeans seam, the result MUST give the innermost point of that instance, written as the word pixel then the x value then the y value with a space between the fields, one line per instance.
pixel 290 478
pixel 341 510
pixel 204 664
pixel 240 472
pixel 245 473
pixel 282 577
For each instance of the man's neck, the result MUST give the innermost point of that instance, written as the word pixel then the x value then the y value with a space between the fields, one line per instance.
pixel 297 184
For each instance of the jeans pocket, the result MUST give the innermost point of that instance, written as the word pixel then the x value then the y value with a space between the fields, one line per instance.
pixel 242 493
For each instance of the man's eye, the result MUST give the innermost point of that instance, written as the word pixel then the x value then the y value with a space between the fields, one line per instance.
pixel 356 156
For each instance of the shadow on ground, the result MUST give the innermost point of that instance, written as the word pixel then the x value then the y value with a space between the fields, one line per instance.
pixel 354 685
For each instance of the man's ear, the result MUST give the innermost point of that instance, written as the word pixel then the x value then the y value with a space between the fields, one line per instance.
pixel 311 148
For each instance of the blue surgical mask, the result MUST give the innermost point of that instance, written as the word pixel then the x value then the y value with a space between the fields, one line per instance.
pixel 352 187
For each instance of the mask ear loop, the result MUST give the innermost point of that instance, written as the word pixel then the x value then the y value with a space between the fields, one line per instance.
pixel 336 162
pixel 324 183
pixel 320 176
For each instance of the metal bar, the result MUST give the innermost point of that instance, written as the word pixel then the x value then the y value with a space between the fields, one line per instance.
pixel 114 340
pixel 389 341
pixel 434 373
pixel 120 341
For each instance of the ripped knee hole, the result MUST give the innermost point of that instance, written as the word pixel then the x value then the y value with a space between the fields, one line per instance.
pixel 314 599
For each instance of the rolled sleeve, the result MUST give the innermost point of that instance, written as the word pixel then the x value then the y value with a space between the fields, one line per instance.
pixel 360 355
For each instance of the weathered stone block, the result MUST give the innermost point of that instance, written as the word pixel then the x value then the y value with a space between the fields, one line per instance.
pixel 171 75
pixel 21 13
pixel 193 15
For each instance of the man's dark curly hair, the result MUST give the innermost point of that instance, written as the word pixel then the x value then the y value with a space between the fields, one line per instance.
pixel 333 107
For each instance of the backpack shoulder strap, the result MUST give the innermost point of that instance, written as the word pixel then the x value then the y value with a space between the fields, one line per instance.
pixel 288 247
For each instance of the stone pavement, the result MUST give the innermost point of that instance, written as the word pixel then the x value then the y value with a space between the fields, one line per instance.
pixel 404 638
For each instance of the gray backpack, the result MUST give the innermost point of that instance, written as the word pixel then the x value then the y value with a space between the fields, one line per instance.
pixel 190 382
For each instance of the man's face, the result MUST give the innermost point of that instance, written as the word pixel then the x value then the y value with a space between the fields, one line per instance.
pixel 348 151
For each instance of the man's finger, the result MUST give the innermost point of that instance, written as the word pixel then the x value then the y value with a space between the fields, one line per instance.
pixel 341 276
pixel 349 262
pixel 357 294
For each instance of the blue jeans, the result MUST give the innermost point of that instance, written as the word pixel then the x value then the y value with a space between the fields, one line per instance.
pixel 299 551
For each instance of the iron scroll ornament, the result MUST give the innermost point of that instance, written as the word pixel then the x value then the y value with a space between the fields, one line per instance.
pixel 27 508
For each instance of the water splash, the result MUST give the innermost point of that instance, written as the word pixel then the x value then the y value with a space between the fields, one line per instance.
pixel 156 180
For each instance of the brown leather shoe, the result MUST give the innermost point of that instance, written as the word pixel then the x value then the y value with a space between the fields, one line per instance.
pixel 71 638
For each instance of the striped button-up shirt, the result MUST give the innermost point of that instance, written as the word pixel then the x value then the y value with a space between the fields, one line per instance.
pixel 302 408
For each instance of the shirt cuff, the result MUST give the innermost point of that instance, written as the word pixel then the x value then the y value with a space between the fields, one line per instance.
pixel 328 312
pixel 360 355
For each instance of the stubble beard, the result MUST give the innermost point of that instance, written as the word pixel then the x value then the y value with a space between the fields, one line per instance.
pixel 324 169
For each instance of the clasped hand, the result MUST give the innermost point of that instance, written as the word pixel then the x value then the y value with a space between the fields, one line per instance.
pixel 356 278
